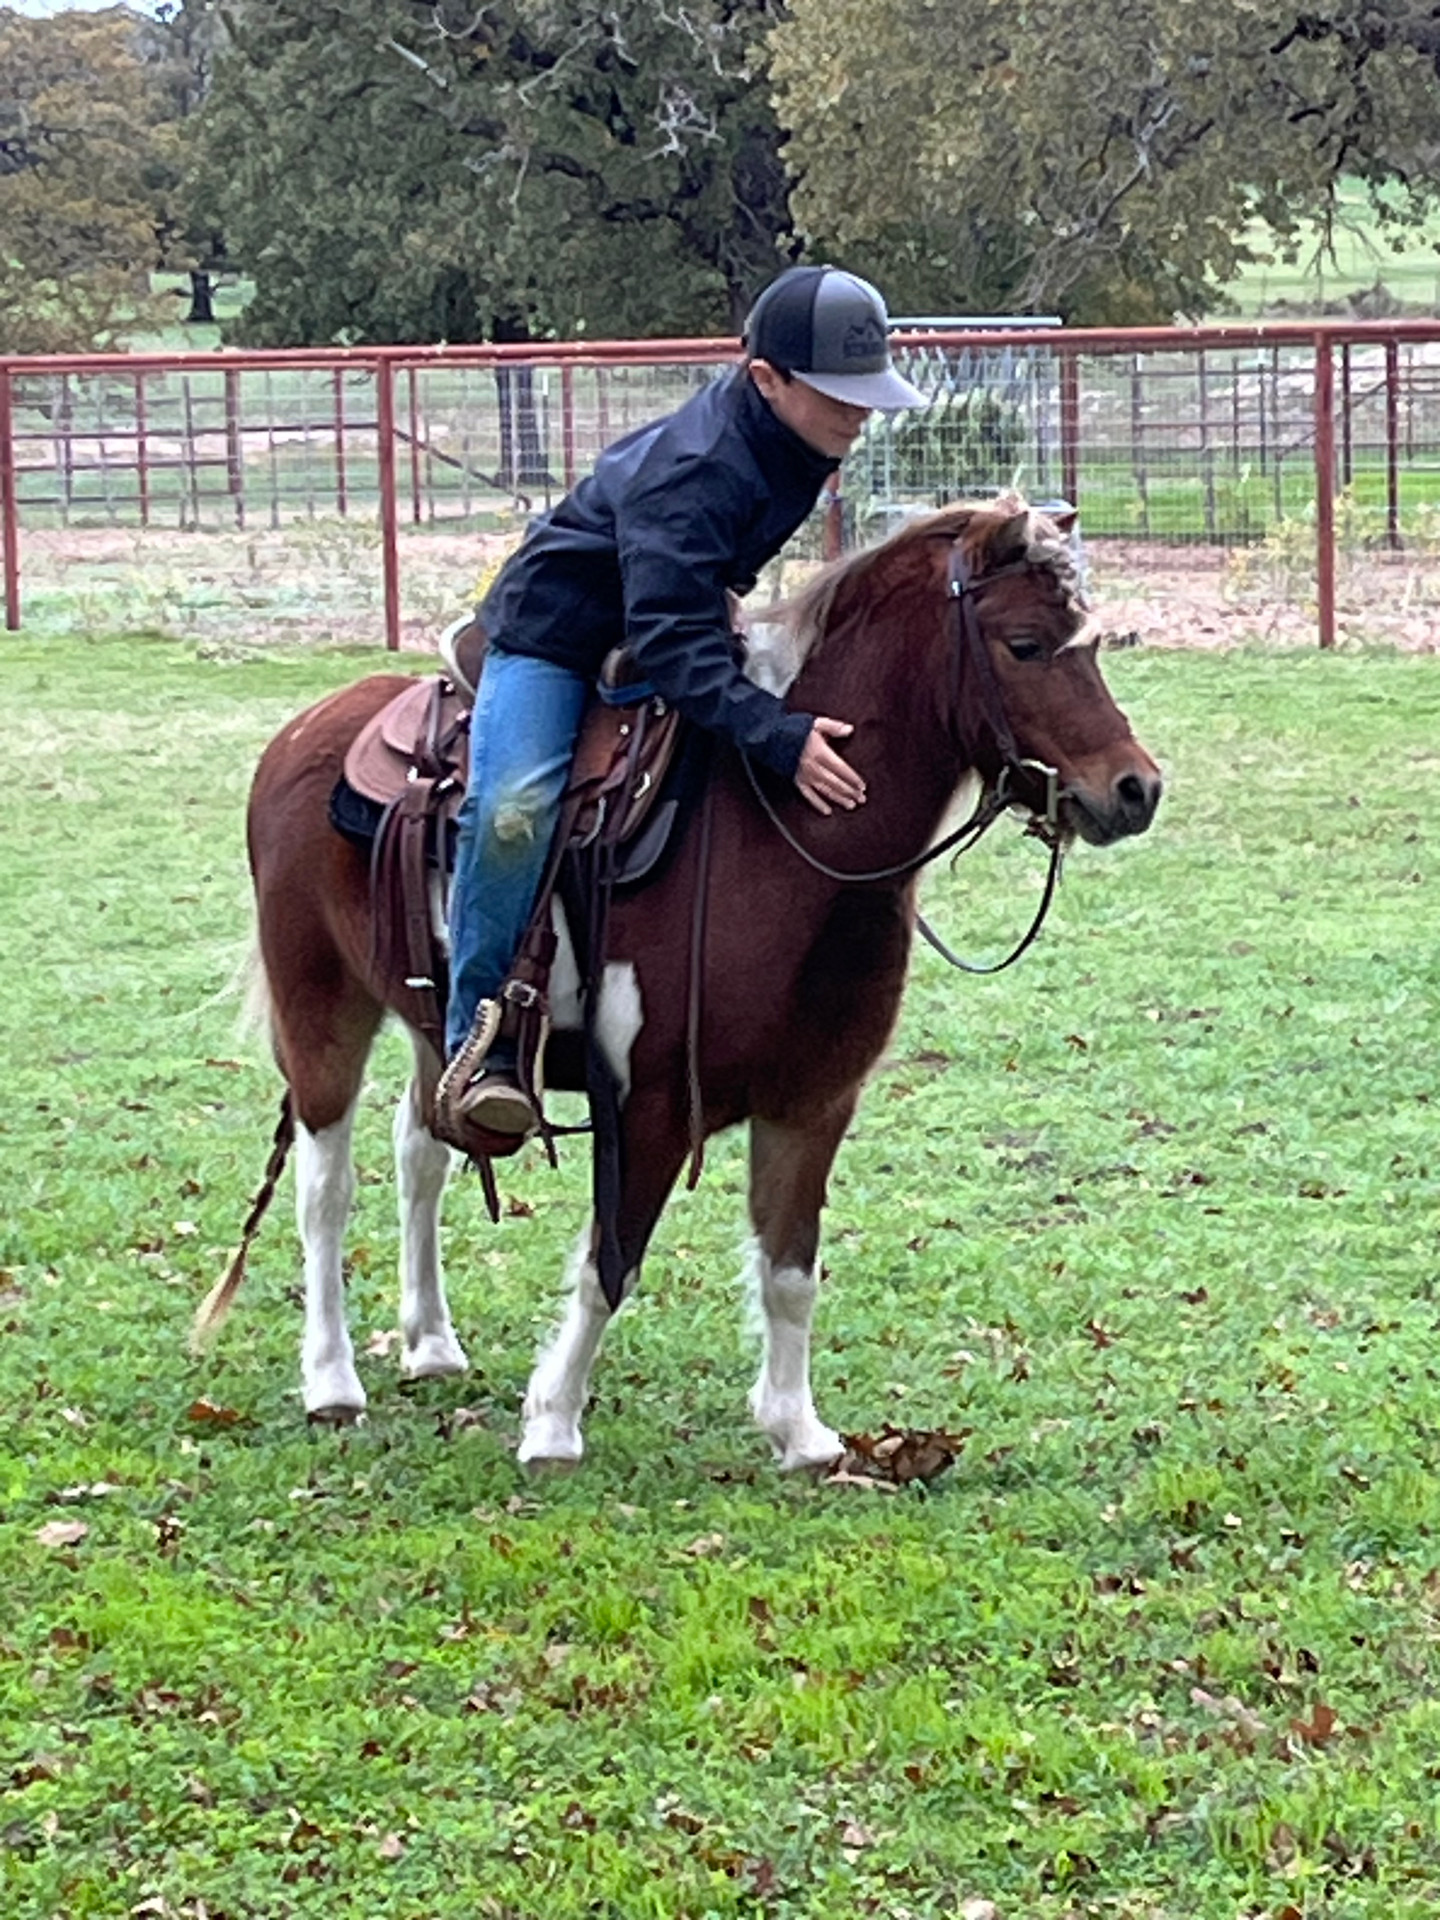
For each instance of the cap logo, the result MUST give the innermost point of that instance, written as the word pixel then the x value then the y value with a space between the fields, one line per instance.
pixel 864 340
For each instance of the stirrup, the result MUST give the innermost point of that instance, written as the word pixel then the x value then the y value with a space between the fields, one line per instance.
pixel 451 1124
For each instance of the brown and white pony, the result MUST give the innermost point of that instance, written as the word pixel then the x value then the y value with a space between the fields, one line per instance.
pixel 802 974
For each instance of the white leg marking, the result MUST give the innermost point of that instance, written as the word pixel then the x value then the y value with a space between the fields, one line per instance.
pixel 324 1188
pixel 565 1008
pixel 560 1384
pixel 422 1166
pixel 781 1399
pixel 621 1013
pixel 619 1019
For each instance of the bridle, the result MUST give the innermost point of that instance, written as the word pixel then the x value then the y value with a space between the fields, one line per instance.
pixel 995 799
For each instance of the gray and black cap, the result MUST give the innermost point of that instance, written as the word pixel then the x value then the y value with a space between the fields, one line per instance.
pixel 830 329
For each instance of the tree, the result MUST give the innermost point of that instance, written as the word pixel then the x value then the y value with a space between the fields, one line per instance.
pixel 1103 161
pixel 391 170
pixel 77 236
pixel 178 47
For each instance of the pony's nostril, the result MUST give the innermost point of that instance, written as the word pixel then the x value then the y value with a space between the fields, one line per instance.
pixel 1134 794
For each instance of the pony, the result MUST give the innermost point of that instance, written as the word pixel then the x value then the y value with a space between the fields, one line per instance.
pixel 961 651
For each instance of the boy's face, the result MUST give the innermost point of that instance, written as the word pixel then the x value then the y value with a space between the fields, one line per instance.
pixel 829 426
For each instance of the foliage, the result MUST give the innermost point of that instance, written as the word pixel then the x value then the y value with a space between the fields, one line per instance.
pixel 398 171
pixel 92 171
pixel 1153 1216
pixel 1100 162
pixel 77 232
pixel 963 443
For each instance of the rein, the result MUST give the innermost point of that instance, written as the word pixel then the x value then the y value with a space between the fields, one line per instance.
pixel 993 801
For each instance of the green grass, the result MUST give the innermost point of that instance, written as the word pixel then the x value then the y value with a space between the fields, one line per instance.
pixel 1154 1215
pixel 1310 278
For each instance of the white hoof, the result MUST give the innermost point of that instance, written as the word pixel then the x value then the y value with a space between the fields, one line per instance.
pixel 435 1356
pixel 797 1433
pixel 551 1440
pixel 333 1393
pixel 810 1452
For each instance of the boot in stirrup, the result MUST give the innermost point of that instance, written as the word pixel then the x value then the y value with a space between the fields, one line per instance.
pixel 483 1113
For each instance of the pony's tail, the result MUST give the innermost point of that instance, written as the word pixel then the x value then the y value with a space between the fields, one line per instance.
pixel 216 1304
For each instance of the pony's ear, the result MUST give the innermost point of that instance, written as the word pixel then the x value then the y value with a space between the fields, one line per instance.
pixel 1003 541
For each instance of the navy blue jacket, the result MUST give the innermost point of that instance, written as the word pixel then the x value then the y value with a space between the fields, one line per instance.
pixel 642 551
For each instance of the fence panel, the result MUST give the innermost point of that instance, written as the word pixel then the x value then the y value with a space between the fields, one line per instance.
pixel 1276 476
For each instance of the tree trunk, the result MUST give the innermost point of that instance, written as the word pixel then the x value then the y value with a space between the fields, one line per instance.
pixel 202 306
pixel 523 460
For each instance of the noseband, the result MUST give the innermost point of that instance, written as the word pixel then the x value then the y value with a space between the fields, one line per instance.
pixel 1015 769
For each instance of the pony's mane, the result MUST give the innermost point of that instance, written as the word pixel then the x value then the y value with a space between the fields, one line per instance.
pixel 807 616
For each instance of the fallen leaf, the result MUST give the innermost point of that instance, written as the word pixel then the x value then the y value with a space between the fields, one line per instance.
pixel 205 1413
pixel 1319 1729
pixel 901 1454
pixel 62 1533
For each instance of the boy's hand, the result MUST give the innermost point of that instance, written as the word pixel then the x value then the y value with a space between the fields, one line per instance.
pixel 822 776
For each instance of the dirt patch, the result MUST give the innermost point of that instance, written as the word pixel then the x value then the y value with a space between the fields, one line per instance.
pixel 1214 597
pixel 320 581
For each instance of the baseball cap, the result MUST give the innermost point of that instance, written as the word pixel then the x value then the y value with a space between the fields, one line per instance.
pixel 830 329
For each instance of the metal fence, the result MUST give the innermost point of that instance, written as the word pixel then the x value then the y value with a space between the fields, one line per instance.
pixel 1293 463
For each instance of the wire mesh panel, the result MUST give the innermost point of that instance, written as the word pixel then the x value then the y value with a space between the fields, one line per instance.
pixel 1196 455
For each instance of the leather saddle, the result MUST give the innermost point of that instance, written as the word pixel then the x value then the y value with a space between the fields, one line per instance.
pixel 411 761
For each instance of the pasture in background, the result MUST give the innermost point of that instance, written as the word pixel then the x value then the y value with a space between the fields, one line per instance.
pixel 1153 1217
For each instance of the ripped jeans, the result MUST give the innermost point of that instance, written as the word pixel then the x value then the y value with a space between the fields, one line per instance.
pixel 527 714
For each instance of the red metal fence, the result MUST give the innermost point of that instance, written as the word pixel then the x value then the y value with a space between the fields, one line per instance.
pixel 1204 441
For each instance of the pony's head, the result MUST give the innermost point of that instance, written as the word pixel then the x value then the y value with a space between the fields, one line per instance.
pixel 983 602
pixel 1017 568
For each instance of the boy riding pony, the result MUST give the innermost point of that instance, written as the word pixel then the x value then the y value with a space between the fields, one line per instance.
pixel 643 553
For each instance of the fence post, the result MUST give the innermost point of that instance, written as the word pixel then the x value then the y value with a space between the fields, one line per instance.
pixel 1138 465
pixel 234 448
pixel 415 509
pixel 9 505
pixel 834 536
pixel 142 450
pixel 1392 443
pixel 385 461
pixel 1325 486
pixel 1070 428
pixel 340 500
pixel 567 422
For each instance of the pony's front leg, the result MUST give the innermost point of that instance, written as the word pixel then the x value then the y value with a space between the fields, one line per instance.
pixel 788 1170
pixel 560 1385
pixel 324 1189
pixel 422 1166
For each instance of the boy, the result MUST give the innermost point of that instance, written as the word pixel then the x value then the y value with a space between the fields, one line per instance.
pixel 642 553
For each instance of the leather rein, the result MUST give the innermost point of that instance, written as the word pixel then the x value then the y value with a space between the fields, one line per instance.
pixel 993 801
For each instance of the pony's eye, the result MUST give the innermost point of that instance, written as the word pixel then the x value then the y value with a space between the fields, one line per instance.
pixel 1025 649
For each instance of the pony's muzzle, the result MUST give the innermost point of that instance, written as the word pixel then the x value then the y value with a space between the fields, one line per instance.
pixel 1125 807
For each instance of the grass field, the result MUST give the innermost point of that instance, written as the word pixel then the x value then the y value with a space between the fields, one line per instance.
pixel 1154 1217
pixel 1365 260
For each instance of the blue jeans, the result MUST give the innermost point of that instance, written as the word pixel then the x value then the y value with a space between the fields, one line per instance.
pixel 522 740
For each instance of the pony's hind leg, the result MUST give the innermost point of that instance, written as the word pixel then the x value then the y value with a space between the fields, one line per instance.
pixel 788 1169
pixel 422 1166
pixel 324 1190
pixel 322 1036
